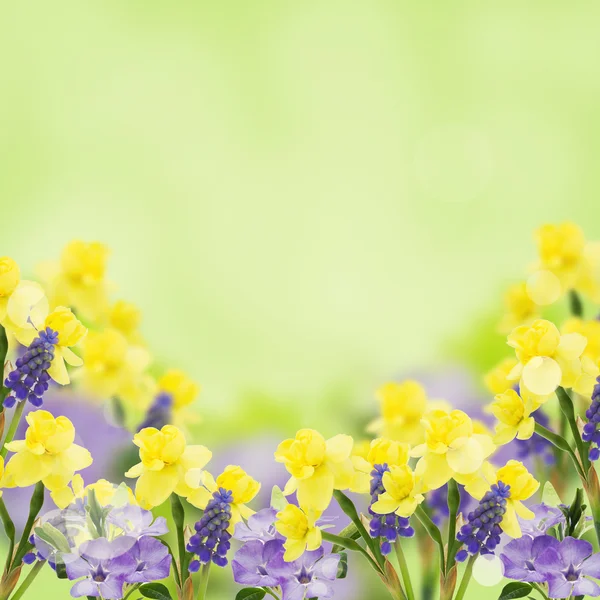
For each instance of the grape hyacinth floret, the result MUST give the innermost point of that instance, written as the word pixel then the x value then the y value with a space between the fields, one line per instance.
pixel 590 429
pixel 211 540
pixel 481 534
pixel 388 527
pixel 160 412
pixel 29 380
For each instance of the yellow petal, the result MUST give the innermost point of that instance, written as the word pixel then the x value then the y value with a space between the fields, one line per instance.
pixel 385 504
pixel 70 357
pixel 314 539
pixel 200 497
pixel 542 375
pixel 544 288
pixel 339 448
pixel 434 470
pixel 526 429
pixel 154 487
pixel 510 524
pixel 571 346
pixel 135 471
pixel 62 497
pixel 504 434
pixel 291 486
pixel 317 491
pixel 195 457
pixel 522 510
pixel 467 458
pixel 57 369
pixel 294 549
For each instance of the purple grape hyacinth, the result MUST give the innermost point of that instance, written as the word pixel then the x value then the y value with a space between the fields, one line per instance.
pixel 211 540
pixel 30 379
pixel 481 534
pixel 590 429
pixel 386 527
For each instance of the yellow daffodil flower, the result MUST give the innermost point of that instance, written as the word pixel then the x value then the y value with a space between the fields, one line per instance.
pixel 316 466
pixel 590 329
pixel 451 447
pixel 402 492
pixel 113 367
pixel 23 312
pixel 514 417
pixel 546 359
pixel 181 388
pixel 497 380
pixel 300 531
pixel 107 493
pixel 522 486
pixel 233 479
pixel 10 276
pixel 47 454
pixel 125 317
pixel 167 465
pixel 78 279
pixel 519 308
pixel 402 408
pixel 381 451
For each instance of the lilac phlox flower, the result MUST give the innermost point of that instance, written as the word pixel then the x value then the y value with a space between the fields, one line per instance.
pixel 566 569
pixel 254 561
pixel 545 518
pixel 153 561
pixel 104 566
pixel 308 577
pixel 520 555
pixel 260 526
pixel 137 522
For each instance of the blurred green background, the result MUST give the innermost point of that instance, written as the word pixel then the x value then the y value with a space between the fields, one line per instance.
pixel 305 198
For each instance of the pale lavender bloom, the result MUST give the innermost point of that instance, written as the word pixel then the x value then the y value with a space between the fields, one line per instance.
pixel 567 568
pixel 153 561
pixel 308 577
pixel 260 527
pixel 254 561
pixel 520 555
pixel 137 522
pixel 545 518
pixel 104 567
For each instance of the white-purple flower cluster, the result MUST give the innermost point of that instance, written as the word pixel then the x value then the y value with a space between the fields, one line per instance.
pixel 564 565
pixel 104 549
pixel 259 562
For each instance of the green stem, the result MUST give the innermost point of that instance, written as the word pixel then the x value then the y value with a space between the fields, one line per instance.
pixel 410 594
pixel 434 533
pixel 561 444
pixel 538 589
pixel 351 544
pixel 566 405
pixel 204 573
pixel 271 593
pixel 453 504
pixel 350 511
pixel 9 528
pixel 28 580
pixel 37 499
pixel 133 589
pixel 179 519
pixel 10 434
pixel 466 578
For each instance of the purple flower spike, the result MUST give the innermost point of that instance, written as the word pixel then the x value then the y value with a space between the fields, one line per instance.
pixel 520 555
pixel 153 561
pixel 253 562
pixel 567 567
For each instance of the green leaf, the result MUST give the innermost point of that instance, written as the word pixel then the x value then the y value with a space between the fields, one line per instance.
pixel 54 537
pixel 550 496
pixel 516 589
pixel 3 346
pixel 278 500
pixel 95 512
pixel 251 594
pixel 350 531
pixel 157 591
pixel 342 566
